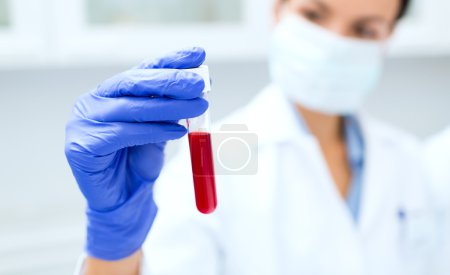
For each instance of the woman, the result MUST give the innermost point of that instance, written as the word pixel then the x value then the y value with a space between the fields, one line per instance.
pixel 335 192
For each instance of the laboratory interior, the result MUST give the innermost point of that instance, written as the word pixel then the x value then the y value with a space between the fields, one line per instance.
pixel 52 52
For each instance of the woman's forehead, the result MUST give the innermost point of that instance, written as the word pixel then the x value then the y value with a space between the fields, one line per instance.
pixel 384 9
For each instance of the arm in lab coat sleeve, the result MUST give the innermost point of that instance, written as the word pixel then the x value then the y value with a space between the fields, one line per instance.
pixel 181 241
pixel 437 160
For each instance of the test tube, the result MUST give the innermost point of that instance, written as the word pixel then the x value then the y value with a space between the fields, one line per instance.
pixel 201 153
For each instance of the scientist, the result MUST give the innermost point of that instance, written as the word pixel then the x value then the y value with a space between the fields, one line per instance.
pixel 335 192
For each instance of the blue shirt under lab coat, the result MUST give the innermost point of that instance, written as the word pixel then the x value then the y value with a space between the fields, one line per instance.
pixel 355 154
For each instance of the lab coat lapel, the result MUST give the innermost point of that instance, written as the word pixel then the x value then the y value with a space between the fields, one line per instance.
pixel 376 178
pixel 316 215
pixel 305 201
pixel 268 117
pixel 272 117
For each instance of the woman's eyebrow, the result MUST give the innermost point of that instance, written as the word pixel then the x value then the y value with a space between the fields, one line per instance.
pixel 321 4
pixel 373 18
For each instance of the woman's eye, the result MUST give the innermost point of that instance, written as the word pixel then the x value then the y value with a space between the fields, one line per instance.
pixel 312 15
pixel 366 33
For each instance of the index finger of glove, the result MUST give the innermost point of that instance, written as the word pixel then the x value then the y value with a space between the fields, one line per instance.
pixel 183 59
pixel 171 83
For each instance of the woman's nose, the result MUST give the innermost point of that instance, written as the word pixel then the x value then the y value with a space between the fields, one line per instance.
pixel 339 28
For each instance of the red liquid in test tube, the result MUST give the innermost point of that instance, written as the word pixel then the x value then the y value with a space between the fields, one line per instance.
pixel 203 171
pixel 201 153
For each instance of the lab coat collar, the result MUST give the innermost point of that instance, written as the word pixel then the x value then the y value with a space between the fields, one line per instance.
pixel 274 118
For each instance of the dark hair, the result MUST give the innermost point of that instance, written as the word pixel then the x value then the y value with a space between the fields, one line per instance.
pixel 404 5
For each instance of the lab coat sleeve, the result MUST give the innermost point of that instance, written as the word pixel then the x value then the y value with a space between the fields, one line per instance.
pixel 79 268
pixel 437 160
pixel 181 241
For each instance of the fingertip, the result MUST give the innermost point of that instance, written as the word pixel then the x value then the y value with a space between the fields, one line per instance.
pixel 198 85
pixel 199 50
pixel 178 130
pixel 185 85
pixel 198 56
pixel 204 103
pixel 200 107
pixel 186 58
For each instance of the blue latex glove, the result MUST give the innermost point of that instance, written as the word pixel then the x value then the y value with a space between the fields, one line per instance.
pixel 115 146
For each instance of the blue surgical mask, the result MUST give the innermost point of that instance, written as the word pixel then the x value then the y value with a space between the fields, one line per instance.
pixel 323 71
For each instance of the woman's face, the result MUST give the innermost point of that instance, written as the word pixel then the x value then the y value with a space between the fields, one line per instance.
pixel 361 19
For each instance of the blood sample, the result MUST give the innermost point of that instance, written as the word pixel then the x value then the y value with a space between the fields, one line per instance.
pixel 201 153
pixel 203 171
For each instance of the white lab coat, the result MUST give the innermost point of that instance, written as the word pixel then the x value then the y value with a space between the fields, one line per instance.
pixel 289 218
pixel 437 159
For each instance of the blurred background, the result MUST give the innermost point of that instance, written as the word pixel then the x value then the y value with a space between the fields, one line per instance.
pixel 51 51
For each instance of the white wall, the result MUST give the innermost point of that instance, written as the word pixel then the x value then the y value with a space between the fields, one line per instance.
pixel 41 210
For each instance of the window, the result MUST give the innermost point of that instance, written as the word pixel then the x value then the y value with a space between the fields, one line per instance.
pixel 4 16
pixel 167 11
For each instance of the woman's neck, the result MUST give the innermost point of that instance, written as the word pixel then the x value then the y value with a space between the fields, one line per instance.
pixel 328 129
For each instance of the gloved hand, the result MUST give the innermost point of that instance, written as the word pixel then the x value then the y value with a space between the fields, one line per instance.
pixel 115 146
